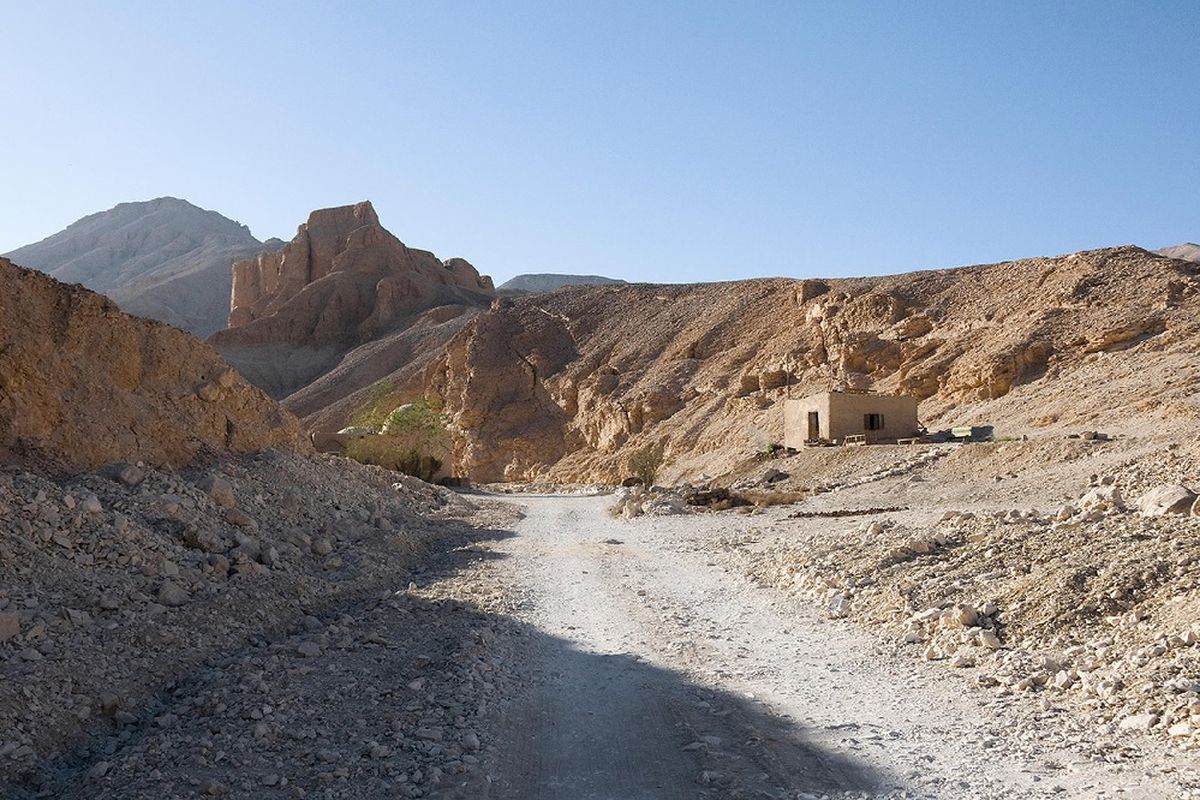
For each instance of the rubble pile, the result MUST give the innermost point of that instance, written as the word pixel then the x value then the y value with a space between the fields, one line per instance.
pixel 636 501
pixel 1095 604
pixel 114 584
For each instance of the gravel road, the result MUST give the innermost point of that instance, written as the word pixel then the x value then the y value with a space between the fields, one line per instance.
pixel 653 671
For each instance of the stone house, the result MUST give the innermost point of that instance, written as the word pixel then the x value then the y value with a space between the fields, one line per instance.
pixel 830 417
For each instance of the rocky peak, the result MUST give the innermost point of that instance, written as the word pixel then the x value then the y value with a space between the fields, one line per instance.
pixel 370 276
pixel 163 258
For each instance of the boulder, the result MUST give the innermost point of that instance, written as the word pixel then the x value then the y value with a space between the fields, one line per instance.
pixel 220 490
pixel 10 626
pixel 1167 499
pixel 171 594
pixel 1102 497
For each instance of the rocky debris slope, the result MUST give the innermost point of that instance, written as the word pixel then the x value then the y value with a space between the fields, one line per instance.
pixel 1090 604
pixel 342 282
pixel 567 385
pixel 85 383
pixel 165 259
pixel 151 611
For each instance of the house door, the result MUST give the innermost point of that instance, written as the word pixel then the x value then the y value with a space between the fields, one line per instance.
pixel 814 426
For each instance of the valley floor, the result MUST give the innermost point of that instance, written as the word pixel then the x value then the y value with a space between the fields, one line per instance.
pixel 657 671
pixel 577 656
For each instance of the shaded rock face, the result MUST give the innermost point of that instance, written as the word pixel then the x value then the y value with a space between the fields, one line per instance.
pixel 343 276
pixel 86 384
pixel 165 259
pixel 567 385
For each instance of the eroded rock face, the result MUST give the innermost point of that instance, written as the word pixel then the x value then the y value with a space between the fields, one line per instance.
pixel 89 385
pixel 343 276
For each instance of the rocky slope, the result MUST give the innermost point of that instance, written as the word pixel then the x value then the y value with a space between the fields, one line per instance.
pixel 344 281
pixel 165 259
pixel 548 282
pixel 86 384
pixel 566 385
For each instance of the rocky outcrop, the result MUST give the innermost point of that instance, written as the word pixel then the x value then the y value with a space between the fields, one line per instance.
pixel 86 384
pixel 346 258
pixel 567 385
pixel 342 282
pixel 165 259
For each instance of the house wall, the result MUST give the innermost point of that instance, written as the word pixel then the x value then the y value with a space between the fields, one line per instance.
pixel 795 419
pixel 842 415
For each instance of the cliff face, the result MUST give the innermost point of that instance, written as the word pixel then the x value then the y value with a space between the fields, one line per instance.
pixel 343 276
pixel 567 385
pixel 86 384
pixel 165 259
pixel 343 281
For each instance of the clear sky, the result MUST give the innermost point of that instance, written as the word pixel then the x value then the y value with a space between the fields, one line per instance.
pixel 644 140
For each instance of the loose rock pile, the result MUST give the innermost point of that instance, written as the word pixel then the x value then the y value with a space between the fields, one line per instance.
pixel 115 585
pixel 635 501
pixel 1095 604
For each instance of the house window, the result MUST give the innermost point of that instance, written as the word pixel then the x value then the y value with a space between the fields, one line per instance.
pixel 873 422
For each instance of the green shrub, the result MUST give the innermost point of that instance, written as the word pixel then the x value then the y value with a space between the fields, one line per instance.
pixel 416 417
pixel 412 437
pixel 645 463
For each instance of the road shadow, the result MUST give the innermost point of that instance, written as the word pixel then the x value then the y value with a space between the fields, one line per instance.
pixel 553 722
pixel 600 726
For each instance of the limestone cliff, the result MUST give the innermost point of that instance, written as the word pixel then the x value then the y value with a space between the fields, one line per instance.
pixel 86 384
pixel 566 385
pixel 343 281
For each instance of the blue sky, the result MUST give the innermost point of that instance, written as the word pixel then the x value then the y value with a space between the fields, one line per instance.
pixel 644 140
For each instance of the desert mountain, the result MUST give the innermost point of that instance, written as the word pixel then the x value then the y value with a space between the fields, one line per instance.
pixel 566 385
pixel 86 384
pixel 548 282
pixel 343 283
pixel 1186 251
pixel 165 259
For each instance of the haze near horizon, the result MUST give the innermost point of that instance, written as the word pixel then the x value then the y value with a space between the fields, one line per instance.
pixel 682 142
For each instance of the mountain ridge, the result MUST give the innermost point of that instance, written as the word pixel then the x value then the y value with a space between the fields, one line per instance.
pixel 551 281
pixel 165 258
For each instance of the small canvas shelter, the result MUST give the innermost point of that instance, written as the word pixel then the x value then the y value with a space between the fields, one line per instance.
pixel 830 417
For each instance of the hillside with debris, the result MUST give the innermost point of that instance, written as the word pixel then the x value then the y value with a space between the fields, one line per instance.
pixel 84 383
pixel 567 385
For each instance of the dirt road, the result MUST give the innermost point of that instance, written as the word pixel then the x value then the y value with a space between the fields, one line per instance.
pixel 574 656
pixel 653 672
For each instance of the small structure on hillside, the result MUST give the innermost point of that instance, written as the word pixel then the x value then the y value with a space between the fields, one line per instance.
pixel 849 418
